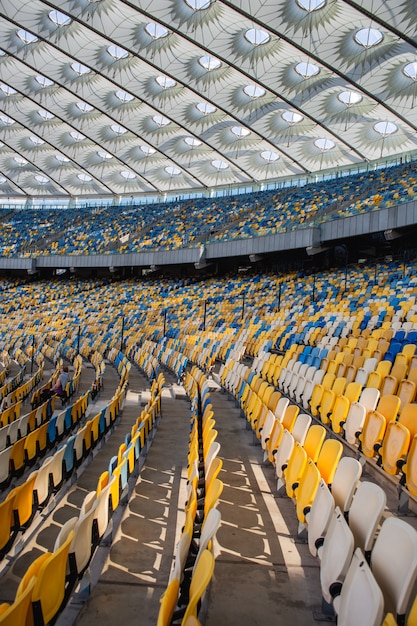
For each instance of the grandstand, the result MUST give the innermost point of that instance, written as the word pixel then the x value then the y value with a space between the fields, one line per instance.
pixel 208 212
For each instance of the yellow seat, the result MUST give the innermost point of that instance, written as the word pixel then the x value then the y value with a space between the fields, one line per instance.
pixel 168 602
pixel 6 524
pixel 394 447
pixel 372 434
pixel 212 495
pixel 290 415
pixel 313 442
pixel 408 418
pixel 388 406
pixel 339 413
pixel 410 468
pixel 295 468
pixel 199 581
pixel 306 490
pixel 328 459
pixel 23 502
pixel 49 591
pixel 18 613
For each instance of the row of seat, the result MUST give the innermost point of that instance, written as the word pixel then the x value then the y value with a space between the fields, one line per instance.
pixel 339 514
pixel 373 422
pixel 194 560
pixel 57 573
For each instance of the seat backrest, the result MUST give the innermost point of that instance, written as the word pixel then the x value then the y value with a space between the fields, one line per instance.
pixel 408 418
pixel 19 611
pixel 168 603
pixel 314 440
pixel 208 532
pixel 345 482
pixel 372 433
pixel 365 514
pixel 328 459
pixel 394 448
pixel 336 553
pixel 394 563
pixel 369 398
pixel 410 468
pixel 296 466
pixel 361 602
pixel 181 553
pixel 283 453
pixel 49 590
pixel 306 490
pixel 388 406
pixel 319 516
pixel 199 582
pixel 301 426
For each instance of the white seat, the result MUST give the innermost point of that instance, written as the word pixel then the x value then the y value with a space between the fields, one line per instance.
pixel 208 532
pixel 3 437
pixel 5 464
pixel 369 398
pixel 282 455
pixel 345 482
pixel 335 554
pixel 319 516
pixel 267 428
pixel 360 602
pixel 365 514
pixel 394 564
pixel 301 426
pixel 281 408
pixel 14 431
pixel 55 467
pixel 354 422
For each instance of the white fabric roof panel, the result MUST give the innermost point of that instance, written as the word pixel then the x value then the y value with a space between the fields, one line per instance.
pixel 149 96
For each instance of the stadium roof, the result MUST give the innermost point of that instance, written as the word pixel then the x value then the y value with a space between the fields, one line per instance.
pixel 115 97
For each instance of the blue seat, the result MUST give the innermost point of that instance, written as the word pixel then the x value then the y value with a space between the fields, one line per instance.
pixel 68 460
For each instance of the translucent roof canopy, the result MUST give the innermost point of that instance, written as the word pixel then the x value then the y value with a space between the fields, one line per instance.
pixel 110 97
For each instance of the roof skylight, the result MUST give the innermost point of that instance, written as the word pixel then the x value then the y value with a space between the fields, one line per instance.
pixel 20 161
pixel 80 69
pixel 209 62
pixel 307 69
pixel 240 131
pixel 41 179
pixel 6 119
pixel 219 165
pixel 61 158
pixel 254 91
pixel 257 36
pixel 43 81
pixel 310 5
pixel 350 98
pixel 7 90
pixel 118 130
pixel 123 96
pixel 172 171
pixel 385 128
pixel 76 135
pixel 148 150
pixel 45 115
pixel 192 142
pixel 26 36
pixel 104 155
pixel 270 156
pixel 58 18
pixel 127 174
pixel 292 117
pixel 165 82
pixel 84 107
pixel 368 37
pixel 36 140
pixel 198 5
pixel 205 108
pixel 410 70
pixel 85 178
pixel 156 31
pixel 117 52
pixel 160 120
pixel 324 144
